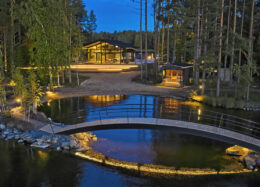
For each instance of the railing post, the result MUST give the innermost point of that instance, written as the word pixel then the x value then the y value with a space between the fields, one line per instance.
pixel 100 116
pixel 221 120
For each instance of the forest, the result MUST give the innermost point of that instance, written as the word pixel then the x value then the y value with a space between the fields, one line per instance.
pixel 39 39
pixel 215 36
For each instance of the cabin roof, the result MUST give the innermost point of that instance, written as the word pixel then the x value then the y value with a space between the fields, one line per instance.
pixel 112 42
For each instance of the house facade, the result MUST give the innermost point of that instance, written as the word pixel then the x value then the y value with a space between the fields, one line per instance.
pixel 109 52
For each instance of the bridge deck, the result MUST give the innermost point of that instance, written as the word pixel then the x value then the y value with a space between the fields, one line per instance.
pixel 155 122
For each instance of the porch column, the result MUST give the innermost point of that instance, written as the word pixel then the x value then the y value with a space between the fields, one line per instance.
pixel 101 51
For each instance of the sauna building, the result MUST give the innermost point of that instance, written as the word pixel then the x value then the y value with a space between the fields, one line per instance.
pixel 177 75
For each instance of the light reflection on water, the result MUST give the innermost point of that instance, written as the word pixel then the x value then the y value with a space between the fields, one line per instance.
pixel 23 166
pixel 80 109
pixel 164 147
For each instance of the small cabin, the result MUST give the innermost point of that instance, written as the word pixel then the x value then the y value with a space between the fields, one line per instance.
pixel 109 52
pixel 176 75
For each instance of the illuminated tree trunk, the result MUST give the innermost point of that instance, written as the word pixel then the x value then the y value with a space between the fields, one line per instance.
pixel 174 45
pixel 197 46
pixel 205 50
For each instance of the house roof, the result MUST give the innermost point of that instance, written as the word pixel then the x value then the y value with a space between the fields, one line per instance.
pixel 177 66
pixel 113 42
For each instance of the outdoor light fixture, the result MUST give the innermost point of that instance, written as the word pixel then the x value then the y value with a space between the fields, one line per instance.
pixel 116 46
pixel 200 86
pixel 18 100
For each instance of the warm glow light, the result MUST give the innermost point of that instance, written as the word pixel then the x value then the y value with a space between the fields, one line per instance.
pixel 49 102
pixel 43 155
pixel 18 100
pixel 197 98
pixel 51 94
pixel 199 112
pixel 200 86
pixel 215 70
pixel 12 83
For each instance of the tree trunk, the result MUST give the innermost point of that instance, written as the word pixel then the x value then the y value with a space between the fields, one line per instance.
pixel 205 50
pixel 174 46
pixel 146 42
pixel 141 38
pixel 197 46
pixel 168 34
pixel 241 32
pixel 227 39
pixel 233 42
pixel 155 39
pixel 77 78
pixel 58 78
pixel 163 29
pixel 12 4
pixel 5 51
pixel 250 51
pixel 220 48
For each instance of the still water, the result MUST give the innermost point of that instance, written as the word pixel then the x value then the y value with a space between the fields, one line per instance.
pixel 23 166
pixel 80 109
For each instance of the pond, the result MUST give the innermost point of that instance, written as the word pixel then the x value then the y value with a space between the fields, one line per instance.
pixel 80 109
pixel 167 147
pixel 24 166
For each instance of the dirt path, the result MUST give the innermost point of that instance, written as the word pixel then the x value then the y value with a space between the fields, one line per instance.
pixel 118 83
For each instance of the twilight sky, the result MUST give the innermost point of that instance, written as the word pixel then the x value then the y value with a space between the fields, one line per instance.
pixel 119 15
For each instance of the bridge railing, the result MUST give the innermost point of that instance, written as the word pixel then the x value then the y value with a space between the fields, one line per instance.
pixel 226 121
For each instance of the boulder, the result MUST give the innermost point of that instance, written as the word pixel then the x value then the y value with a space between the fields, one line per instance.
pixel 238 151
pixel 2 126
pixel 250 160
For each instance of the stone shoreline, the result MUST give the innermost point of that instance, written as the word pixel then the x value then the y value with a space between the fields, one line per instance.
pixel 153 169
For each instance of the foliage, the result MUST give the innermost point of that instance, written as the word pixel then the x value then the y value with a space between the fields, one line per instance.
pixel 35 91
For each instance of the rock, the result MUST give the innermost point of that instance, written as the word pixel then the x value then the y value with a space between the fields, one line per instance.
pixel 17 136
pixel 250 160
pixel 10 137
pixel 41 145
pixel 29 139
pixel 20 141
pixel 258 162
pixel 15 131
pixel 7 131
pixel 2 126
pixel 72 144
pixel 238 151
pixel 94 138
pixel 82 149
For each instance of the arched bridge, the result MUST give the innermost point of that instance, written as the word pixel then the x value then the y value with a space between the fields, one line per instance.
pixel 129 116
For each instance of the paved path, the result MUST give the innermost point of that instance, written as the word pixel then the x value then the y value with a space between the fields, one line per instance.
pixel 118 83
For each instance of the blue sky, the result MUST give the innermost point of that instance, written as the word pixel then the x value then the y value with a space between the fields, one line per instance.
pixel 119 15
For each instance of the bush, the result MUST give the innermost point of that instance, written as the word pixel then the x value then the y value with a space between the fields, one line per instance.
pixel 240 104
pixel 229 102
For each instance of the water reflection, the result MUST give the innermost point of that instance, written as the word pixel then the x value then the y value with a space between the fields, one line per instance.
pixel 104 100
pixel 80 109
pixel 164 147
pixel 23 166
